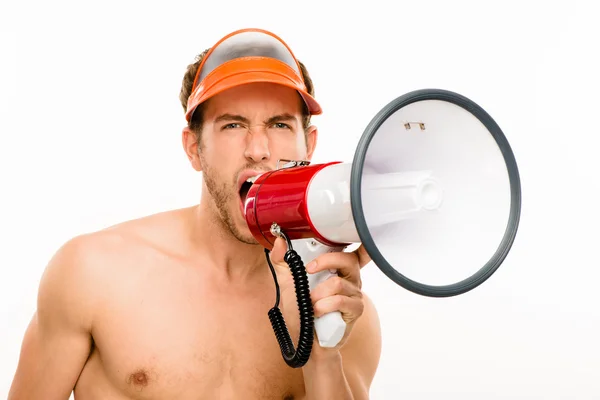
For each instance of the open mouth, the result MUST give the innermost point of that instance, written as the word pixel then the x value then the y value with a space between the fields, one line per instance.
pixel 244 190
pixel 246 185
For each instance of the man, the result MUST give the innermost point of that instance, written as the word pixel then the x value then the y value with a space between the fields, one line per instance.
pixel 174 305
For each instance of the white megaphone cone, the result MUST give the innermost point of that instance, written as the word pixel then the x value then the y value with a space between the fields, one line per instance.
pixel 433 191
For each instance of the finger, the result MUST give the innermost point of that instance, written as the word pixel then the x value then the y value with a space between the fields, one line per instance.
pixel 363 257
pixel 334 286
pixel 350 307
pixel 346 265
pixel 278 252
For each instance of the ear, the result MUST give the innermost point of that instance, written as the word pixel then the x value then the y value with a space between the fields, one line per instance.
pixel 311 141
pixel 190 146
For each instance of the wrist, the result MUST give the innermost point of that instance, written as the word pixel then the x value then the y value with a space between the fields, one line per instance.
pixel 325 357
pixel 324 376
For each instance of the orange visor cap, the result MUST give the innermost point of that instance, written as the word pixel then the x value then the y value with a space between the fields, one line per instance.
pixel 248 56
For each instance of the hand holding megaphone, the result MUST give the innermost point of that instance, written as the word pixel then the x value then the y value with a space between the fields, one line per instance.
pixel 433 194
pixel 335 285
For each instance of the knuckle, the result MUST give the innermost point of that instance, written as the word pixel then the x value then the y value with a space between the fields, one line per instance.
pixel 338 302
pixel 361 306
pixel 314 297
pixel 359 312
pixel 338 284
pixel 359 283
pixel 317 308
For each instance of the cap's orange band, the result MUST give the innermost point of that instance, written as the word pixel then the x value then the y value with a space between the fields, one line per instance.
pixel 248 56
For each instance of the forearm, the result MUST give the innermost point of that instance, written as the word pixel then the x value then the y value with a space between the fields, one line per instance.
pixel 324 378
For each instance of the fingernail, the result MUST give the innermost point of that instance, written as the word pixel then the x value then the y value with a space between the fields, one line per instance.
pixel 311 266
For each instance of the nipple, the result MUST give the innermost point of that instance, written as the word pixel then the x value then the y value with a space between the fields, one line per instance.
pixel 138 378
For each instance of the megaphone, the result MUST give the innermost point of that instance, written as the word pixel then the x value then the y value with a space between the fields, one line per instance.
pixel 433 194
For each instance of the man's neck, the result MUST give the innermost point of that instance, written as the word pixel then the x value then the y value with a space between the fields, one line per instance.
pixel 232 259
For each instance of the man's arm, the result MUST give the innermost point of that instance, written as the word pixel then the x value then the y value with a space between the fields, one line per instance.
pixel 347 373
pixel 58 339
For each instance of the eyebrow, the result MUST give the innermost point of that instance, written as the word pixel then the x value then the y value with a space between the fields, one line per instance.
pixel 281 117
pixel 231 117
pixel 277 118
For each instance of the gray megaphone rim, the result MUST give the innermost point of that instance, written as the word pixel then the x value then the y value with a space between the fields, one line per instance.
pixel 515 188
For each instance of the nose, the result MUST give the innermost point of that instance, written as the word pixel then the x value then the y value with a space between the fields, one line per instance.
pixel 257 146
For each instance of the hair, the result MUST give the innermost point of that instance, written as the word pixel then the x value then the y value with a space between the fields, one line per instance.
pixel 197 118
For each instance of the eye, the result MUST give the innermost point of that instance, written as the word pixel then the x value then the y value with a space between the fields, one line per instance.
pixel 281 125
pixel 233 125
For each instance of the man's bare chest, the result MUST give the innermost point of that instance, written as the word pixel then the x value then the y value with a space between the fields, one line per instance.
pixel 176 339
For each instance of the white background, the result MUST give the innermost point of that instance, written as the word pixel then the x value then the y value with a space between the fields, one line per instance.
pixel 90 135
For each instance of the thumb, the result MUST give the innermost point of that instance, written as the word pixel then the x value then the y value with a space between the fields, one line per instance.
pixel 363 256
pixel 278 252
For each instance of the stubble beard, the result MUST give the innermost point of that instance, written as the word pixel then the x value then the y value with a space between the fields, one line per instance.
pixel 222 195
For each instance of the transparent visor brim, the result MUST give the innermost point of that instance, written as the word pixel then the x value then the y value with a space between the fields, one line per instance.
pixel 247 44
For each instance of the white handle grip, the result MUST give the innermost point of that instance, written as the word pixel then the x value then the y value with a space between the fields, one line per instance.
pixel 330 328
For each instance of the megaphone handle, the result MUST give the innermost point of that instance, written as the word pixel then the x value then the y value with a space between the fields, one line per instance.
pixel 330 328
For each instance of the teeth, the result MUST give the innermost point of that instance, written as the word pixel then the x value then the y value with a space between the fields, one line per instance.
pixel 252 179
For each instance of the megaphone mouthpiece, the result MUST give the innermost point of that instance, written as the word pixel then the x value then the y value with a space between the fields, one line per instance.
pixel 281 196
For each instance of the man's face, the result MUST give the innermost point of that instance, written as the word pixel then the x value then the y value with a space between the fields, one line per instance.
pixel 246 130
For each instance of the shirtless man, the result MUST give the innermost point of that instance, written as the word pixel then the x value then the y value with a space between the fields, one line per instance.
pixel 174 305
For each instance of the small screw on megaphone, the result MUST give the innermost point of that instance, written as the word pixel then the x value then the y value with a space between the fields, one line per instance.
pixel 275 230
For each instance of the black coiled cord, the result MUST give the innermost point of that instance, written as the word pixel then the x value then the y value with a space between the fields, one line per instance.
pixel 295 358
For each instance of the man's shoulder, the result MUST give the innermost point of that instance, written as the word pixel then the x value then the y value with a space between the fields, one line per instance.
pixel 127 235
pixel 89 247
pixel 75 277
pixel 106 249
pixel 81 261
pixel 85 267
pixel 147 229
